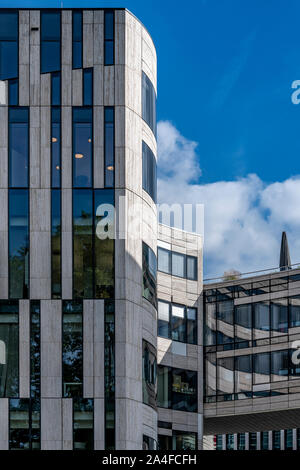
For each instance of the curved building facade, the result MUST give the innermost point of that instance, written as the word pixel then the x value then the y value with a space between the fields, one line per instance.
pixel 78 306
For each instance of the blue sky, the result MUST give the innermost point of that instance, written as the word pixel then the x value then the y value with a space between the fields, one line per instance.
pixel 225 69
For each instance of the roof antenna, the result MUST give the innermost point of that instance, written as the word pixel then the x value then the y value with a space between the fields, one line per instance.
pixel 285 259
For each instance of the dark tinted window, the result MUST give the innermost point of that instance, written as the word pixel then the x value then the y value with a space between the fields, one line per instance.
pixel 83 424
pixel 55 89
pixel 149 172
pixel 82 147
pixel 77 39
pixel 24 424
pixel 56 243
pixel 50 41
pixel 13 92
pixel 35 349
pixel 149 374
pixel 18 147
pixel 109 145
pixel 149 103
pixel 9 349
pixel 149 274
pixel 88 87
pixel 56 147
pixel 9 53
pixel 72 349
pixel 109 37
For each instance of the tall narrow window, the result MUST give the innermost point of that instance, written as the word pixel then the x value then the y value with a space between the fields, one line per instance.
pixel 18 147
pixel 109 146
pixel 163 323
pixel 18 244
pixel 56 243
pixel 72 349
pixel 77 39
pixel 9 349
pixel 83 424
pixel 13 92
pixel 24 424
pixel 109 33
pixel 109 374
pixel 9 52
pixel 149 274
pixel 83 243
pixel 88 87
pixel 55 89
pixel 55 147
pixel 35 349
pixel 149 374
pixel 149 103
pixel 50 41
pixel 82 147
pixel 104 243
pixel 191 268
pixel 149 172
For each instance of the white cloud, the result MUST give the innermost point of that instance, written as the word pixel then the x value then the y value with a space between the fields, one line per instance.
pixel 243 218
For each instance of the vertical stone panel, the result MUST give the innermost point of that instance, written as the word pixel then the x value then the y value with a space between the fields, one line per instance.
pixel 4 424
pixel 51 350
pixel 88 39
pixel 24 348
pixel 66 59
pixel 40 244
pixel 34 146
pixel 46 89
pixel 4 202
pixel 109 85
pixel 98 348
pixel 99 424
pixel 67 423
pixel 98 85
pixel 51 424
pixel 67 244
pixel 88 348
pixel 34 58
pixel 77 85
pixel 24 58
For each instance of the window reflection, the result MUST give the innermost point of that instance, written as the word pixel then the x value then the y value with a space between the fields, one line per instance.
pixel 56 243
pixel 82 147
pixel 9 342
pixel 24 424
pixel 18 147
pixel 9 52
pixel 149 172
pixel 77 39
pixel 148 103
pixel 177 389
pixel 72 349
pixel 109 145
pixel 149 374
pixel 35 349
pixel 109 37
pixel 83 424
pixel 149 274
pixel 50 41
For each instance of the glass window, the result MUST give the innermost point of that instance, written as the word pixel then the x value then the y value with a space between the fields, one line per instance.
pixel 261 320
pixel 225 329
pixel 109 374
pixel 252 440
pixel 149 374
pixel 56 147
pixel 77 40
pixel 279 316
pixel 219 442
pixel 243 376
pixel 109 37
pixel 109 145
pixel 50 41
pixel 88 87
pixel 288 439
pixel 210 374
pixel 18 244
pixel 210 324
pixel 82 147
pixel 261 368
pixel 35 349
pixel 149 274
pixel 83 424
pixel 148 103
pixel 83 243
pixel 13 92
pixel 298 438
pixel 164 442
pixel 225 376
pixel 279 365
pixel 56 243
pixel 24 424
pixel 9 52
pixel 72 349
pixel 191 325
pixel 241 444
pixel 178 264
pixel 104 246
pixel 55 89
pixel 243 324
pixel 264 445
pixel 149 443
pixel 178 323
pixel 184 390
pixel 164 260
pixel 164 329
pixel 149 172
pixel 294 311
pixel 18 147
pixel 164 398
pixel 191 268
pixel 9 349
pixel 229 441
pixel 276 440
pixel 184 440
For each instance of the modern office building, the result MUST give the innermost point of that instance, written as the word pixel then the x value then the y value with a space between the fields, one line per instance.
pixel 78 309
pixel 252 377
